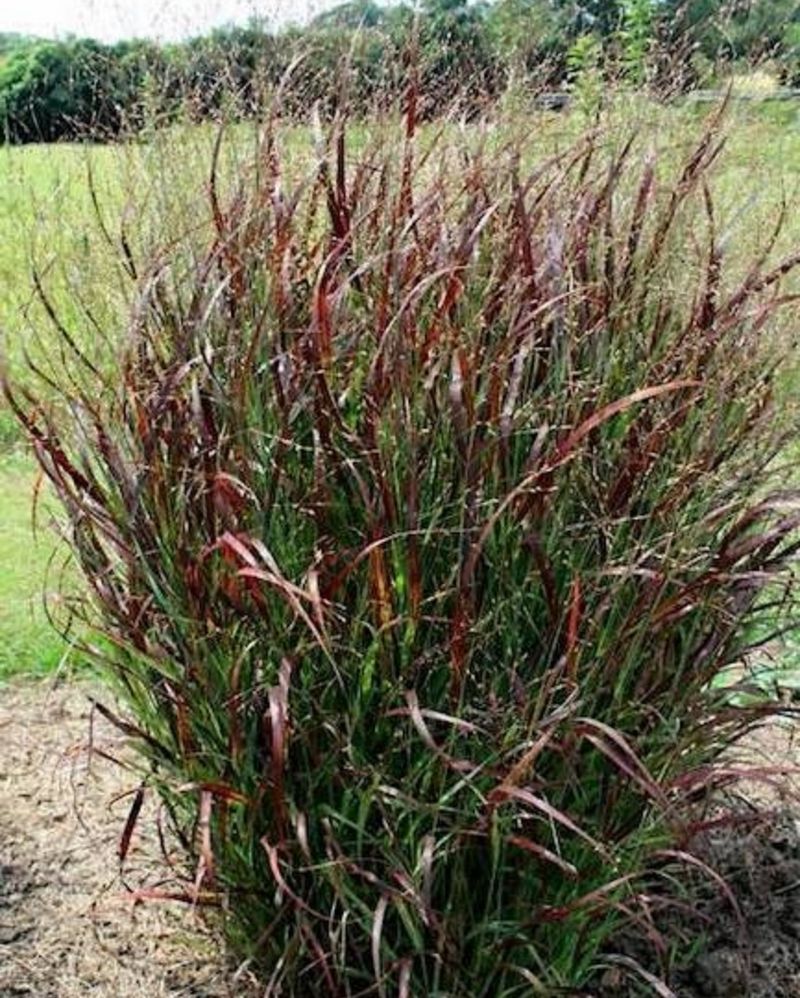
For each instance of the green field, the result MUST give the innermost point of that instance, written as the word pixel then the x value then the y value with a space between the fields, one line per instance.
pixel 30 569
pixel 153 190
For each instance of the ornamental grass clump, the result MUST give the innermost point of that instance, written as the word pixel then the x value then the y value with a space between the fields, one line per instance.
pixel 425 509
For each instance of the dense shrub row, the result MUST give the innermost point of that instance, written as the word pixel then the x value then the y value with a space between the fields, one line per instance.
pixel 50 90
pixel 422 514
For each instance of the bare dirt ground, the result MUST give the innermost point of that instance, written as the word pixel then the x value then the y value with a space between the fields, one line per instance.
pixel 68 929
pixel 754 952
pixel 741 936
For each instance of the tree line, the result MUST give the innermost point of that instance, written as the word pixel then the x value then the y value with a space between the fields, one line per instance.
pixel 461 51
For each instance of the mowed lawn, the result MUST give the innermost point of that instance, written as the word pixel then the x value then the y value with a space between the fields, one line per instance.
pixel 31 571
pixel 65 211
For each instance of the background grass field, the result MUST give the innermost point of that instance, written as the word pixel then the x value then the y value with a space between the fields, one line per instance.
pixel 51 221
pixel 28 643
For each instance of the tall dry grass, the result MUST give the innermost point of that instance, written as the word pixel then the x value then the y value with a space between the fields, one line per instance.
pixel 424 509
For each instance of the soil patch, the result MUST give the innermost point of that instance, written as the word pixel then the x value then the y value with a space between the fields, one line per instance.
pixel 743 938
pixel 67 929
pixel 755 952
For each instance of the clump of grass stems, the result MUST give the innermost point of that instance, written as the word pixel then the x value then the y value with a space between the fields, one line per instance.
pixel 425 507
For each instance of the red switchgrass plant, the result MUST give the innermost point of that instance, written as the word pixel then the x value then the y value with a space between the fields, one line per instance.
pixel 426 505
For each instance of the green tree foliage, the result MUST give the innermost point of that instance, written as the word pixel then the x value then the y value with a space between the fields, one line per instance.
pixel 584 63
pixel 456 54
pixel 466 50
pixel 55 89
pixel 599 16
pixel 352 14
pixel 10 41
pixel 527 37
pixel 636 38
pixel 753 31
